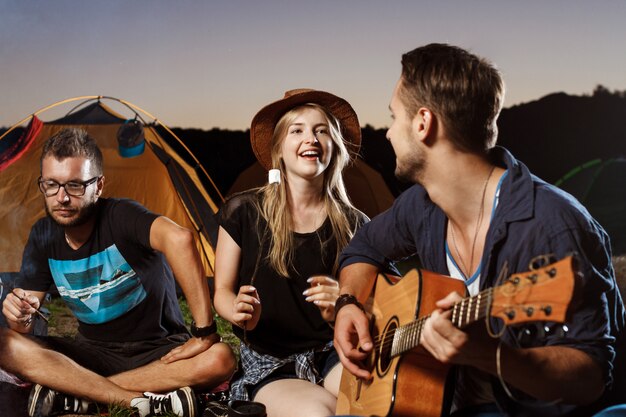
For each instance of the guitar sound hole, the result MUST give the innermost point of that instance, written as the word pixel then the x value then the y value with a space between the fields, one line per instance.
pixel 384 351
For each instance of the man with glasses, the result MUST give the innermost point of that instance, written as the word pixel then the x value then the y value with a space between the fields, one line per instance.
pixel 113 262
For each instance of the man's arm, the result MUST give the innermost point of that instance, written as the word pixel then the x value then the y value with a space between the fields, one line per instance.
pixel 240 306
pixel 386 238
pixel 547 373
pixel 178 246
pixel 353 341
pixel 562 369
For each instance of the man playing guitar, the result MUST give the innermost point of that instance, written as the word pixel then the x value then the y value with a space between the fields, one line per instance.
pixel 475 213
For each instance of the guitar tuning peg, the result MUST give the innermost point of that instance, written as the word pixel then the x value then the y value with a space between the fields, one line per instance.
pixel 547 310
pixel 530 311
pixel 514 280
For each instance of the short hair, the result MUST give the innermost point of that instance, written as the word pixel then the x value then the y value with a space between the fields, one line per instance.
pixel 464 91
pixel 73 142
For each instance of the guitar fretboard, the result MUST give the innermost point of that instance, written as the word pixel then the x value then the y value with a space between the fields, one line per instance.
pixel 465 312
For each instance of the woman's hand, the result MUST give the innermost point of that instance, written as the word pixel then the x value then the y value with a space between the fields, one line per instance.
pixel 323 293
pixel 247 308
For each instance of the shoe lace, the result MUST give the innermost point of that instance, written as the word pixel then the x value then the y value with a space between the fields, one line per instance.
pixel 160 403
pixel 70 403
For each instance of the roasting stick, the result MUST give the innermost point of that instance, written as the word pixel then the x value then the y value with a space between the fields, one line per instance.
pixel 43 316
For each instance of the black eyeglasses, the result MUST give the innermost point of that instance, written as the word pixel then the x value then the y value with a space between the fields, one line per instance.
pixel 51 188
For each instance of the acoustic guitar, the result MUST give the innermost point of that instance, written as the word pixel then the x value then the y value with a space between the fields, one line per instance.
pixel 407 380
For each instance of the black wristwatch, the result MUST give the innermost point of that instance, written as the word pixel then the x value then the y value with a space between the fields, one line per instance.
pixel 203 331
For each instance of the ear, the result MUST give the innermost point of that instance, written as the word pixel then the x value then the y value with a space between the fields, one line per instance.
pixel 99 186
pixel 423 123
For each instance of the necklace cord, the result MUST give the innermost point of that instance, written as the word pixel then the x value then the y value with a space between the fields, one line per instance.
pixel 468 272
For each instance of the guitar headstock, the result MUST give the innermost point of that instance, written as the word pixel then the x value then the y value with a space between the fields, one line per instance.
pixel 543 294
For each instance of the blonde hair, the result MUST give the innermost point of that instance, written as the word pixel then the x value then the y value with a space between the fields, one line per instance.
pixel 275 206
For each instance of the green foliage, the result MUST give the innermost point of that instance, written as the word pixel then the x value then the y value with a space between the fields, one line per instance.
pixel 119 410
pixel 61 321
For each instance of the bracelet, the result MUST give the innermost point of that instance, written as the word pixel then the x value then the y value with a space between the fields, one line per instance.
pixel 344 300
pixel 499 371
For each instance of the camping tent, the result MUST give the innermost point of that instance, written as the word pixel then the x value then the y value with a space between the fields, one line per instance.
pixel 600 185
pixel 139 163
pixel 366 187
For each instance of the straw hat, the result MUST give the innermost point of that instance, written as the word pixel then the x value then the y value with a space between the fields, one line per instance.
pixel 264 122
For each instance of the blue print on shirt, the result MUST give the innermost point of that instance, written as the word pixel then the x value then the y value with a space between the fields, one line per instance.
pixel 99 288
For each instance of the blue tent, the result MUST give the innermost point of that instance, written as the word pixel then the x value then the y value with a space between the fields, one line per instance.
pixel 600 185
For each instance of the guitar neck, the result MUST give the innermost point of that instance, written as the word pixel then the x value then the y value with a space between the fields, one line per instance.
pixel 464 313
pixel 540 294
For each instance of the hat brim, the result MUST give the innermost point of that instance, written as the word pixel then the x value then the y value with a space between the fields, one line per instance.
pixel 264 122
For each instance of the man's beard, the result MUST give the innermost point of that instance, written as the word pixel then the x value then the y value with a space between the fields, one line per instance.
pixel 411 170
pixel 85 213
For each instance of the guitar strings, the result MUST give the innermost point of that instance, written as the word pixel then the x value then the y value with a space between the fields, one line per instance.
pixel 418 322
pixel 414 328
pixel 481 309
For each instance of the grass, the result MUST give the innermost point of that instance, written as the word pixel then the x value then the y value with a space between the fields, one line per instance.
pixel 118 410
pixel 63 323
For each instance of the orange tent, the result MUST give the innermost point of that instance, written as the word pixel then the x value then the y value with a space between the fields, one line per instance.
pixel 161 174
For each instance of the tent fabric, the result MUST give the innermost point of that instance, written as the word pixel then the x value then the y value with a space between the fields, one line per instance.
pixel 366 187
pixel 601 187
pixel 158 178
pixel 21 145
pixel 94 114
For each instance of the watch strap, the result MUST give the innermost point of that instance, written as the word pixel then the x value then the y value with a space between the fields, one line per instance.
pixel 203 331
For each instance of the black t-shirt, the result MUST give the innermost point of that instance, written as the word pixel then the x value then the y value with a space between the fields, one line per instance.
pixel 117 286
pixel 288 324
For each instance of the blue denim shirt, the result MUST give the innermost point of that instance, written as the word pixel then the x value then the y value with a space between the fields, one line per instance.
pixel 532 218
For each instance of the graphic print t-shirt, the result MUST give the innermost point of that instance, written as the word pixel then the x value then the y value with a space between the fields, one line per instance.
pixel 116 285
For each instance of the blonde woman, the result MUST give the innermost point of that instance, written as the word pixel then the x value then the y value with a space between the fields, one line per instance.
pixel 278 249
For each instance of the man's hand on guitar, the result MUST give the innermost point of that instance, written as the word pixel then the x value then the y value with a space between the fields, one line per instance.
pixel 353 341
pixel 449 344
